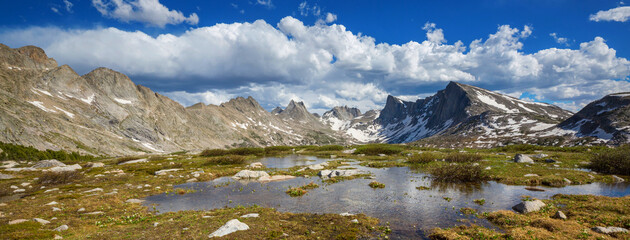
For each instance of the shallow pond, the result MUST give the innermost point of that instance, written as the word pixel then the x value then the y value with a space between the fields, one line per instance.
pixel 410 212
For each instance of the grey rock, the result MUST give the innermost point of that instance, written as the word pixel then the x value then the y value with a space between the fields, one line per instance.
pixel 354 221
pixel 521 158
pixel 617 179
pixel 251 215
pixel 41 221
pixel 531 175
pixel 142 160
pixel 609 230
pixel 61 228
pixel 529 206
pixel 133 200
pixel 229 227
pixel 95 164
pixel 339 173
pixel 166 171
pixel 540 155
pixel 65 168
pixel 549 160
pixel 349 151
pixel 6 176
pixel 49 163
pixel 560 215
pixel 567 181
pixel 248 174
pixel 256 165
pixel 17 221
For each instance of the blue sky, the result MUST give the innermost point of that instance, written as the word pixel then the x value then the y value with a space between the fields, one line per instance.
pixel 330 53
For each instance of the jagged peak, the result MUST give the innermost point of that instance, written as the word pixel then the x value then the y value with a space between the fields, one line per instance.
pixel 277 110
pixel 243 104
pixel 27 57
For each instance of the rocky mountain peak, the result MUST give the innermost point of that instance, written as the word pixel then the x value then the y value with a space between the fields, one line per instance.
pixel 607 118
pixel 343 113
pixel 38 56
pixel 243 105
pixel 297 111
pixel 27 57
pixel 112 83
pixel 276 110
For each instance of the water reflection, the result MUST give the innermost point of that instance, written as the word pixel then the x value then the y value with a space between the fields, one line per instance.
pixel 409 211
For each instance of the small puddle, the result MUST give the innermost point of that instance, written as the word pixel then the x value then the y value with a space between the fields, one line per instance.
pixel 410 212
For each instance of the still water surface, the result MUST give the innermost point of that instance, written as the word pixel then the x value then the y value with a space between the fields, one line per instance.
pixel 410 212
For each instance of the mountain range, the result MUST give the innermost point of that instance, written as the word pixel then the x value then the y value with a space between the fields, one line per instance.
pixel 103 112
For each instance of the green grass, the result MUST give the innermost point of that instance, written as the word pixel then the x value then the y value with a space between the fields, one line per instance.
pixel 375 184
pixel 458 173
pixel 19 152
pixel 422 158
pixel 296 191
pixel 612 161
pixel 462 157
pixel 56 178
pixel 226 160
pixel 376 149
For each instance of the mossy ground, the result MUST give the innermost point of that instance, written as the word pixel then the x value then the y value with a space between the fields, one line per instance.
pixel 120 220
pixel 583 213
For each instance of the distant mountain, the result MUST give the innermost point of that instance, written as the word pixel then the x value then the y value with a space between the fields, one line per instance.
pixel 103 112
pixel 607 120
pixel 469 112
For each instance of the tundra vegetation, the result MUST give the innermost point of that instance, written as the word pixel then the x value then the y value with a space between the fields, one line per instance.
pixel 94 201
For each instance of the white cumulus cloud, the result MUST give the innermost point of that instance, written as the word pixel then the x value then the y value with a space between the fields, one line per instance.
pixel 328 64
pixel 618 14
pixel 150 12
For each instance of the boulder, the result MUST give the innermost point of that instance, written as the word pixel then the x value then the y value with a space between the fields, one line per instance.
pixel 134 161
pixel 251 215
pixel 276 178
pixel 315 167
pixel 531 175
pixel 229 227
pixel 248 174
pixel 540 155
pixel 21 169
pixel 133 200
pixel 165 171
pixel 49 163
pixel 61 228
pixel 41 221
pixel 17 221
pixel 529 206
pixel 65 168
pixel 549 160
pixel 520 158
pixel 609 230
pixel 339 173
pixel 354 220
pixel 95 164
pixel 617 179
pixel 349 151
pixel 256 165
pixel 560 215
pixel 9 164
pixel 5 176
pixel 94 190
pixel 191 180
